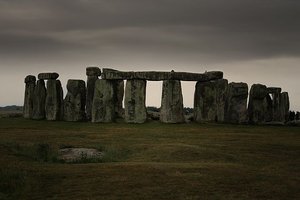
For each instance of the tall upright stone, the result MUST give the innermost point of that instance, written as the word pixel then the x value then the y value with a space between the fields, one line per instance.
pixel 209 101
pixel 74 102
pixel 29 96
pixel 92 76
pixel 103 109
pixel 119 95
pixel 135 95
pixel 54 100
pixel 39 100
pixel 258 108
pixel 275 110
pixel 284 105
pixel 236 103
pixel 172 102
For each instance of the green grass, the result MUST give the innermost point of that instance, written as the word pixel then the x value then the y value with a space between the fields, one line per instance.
pixel 149 161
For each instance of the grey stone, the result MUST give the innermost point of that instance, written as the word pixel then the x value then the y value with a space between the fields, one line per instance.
pixel 92 76
pixel 111 74
pixel 54 100
pixel 284 106
pixel 29 96
pixel 103 109
pixel 135 108
pixel 74 102
pixel 48 76
pixel 93 71
pixel 258 104
pixel 274 111
pixel 39 100
pixel 209 101
pixel 236 103
pixel 172 102
pixel 119 94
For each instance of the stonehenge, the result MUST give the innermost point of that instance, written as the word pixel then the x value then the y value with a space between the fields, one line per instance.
pixel 100 99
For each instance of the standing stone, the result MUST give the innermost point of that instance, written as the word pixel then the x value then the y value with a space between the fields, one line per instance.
pixel 103 109
pixel 258 108
pixel 135 108
pixel 275 110
pixel 236 103
pixel 285 105
pixel 74 103
pixel 119 94
pixel 209 100
pixel 39 100
pixel 92 76
pixel 172 102
pixel 54 100
pixel 29 96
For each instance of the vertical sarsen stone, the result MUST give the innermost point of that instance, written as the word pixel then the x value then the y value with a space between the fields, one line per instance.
pixel 39 100
pixel 172 102
pixel 29 96
pixel 54 100
pixel 135 95
pixel 92 76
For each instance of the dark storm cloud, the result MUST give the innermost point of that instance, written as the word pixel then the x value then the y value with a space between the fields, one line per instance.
pixel 218 29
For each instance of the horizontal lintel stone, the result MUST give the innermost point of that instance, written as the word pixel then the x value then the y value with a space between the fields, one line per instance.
pixel 111 74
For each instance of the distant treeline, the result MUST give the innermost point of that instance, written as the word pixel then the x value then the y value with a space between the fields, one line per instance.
pixel 11 108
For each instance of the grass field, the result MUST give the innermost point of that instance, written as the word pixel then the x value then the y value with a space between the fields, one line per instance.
pixel 149 161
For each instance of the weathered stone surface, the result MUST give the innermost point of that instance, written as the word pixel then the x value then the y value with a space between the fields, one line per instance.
pixel 111 74
pixel 135 108
pixel 30 79
pixel 209 101
pixel 92 76
pixel 258 104
pixel 172 102
pixel 93 71
pixel 103 109
pixel 236 103
pixel 74 102
pixel 29 96
pixel 119 94
pixel 39 100
pixel 48 76
pixel 284 105
pixel 274 111
pixel 54 100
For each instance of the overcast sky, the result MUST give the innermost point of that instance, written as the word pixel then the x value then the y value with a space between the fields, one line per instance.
pixel 253 41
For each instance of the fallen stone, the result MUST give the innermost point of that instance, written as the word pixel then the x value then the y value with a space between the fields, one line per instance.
pixel 54 100
pixel 111 74
pixel 29 96
pixel 152 115
pixel 48 76
pixel 39 100
pixel 70 155
pixel 135 108
pixel 74 102
pixel 172 102
pixel 236 103
pixel 209 101
pixel 103 109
